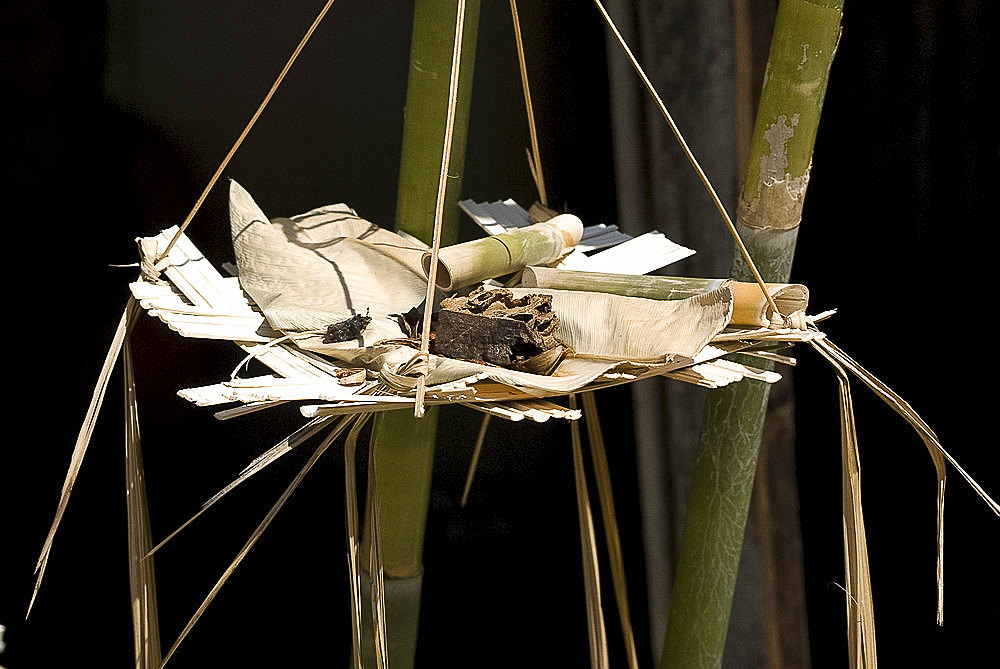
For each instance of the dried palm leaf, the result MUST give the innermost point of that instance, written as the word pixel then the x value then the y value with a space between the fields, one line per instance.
pixel 128 319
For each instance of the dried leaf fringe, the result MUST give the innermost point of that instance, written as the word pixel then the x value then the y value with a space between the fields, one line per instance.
pixel 145 619
pixel 254 537
pixel 612 537
pixel 591 577
pixel 128 319
pixel 937 452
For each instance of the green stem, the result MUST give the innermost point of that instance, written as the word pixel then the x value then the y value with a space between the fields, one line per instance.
pixel 403 446
pixel 770 208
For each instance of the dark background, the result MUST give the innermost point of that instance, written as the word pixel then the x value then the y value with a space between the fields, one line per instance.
pixel 897 234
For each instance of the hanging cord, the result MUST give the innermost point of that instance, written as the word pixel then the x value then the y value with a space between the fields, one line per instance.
pixel 246 131
pixel 691 159
pixel 535 156
pixel 449 128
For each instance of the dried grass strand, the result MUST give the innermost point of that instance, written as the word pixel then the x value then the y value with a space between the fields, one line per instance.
pixel 353 534
pixel 534 157
pixel 937 452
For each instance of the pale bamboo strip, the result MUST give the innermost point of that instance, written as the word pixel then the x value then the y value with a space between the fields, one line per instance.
pixel 588 546
pixel 258 464
pixel 749 372
pixel 434 259
pixel 202 274
pixel 250 124
pixel 183 268
pixel 639 255
pixel 498 410
pixel 83 438
pixel 474 461
pixel 258 532
pixel 353 537
pixel 244 409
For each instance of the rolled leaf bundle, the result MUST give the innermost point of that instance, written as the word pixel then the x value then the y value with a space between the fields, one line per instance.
pixel 750 307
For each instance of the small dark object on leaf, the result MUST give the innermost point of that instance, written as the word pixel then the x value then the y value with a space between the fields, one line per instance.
pixel 346 330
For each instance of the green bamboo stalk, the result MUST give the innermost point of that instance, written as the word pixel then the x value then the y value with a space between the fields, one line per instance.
pixel 770 209
pixel 403 446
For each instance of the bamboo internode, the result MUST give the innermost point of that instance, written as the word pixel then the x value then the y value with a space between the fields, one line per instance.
pixel 490 257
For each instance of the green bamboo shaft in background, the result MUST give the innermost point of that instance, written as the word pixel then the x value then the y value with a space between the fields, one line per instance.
pixel 403 446
pixel 770 208
pixel 426 112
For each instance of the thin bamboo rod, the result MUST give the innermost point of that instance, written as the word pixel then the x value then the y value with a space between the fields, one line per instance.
pixel 449 131
pixel 689 154
pixel 246 131
pixel 536 162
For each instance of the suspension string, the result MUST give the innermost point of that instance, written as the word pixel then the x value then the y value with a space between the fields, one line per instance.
pixel 536 162
pixel 449 129
pixel 690 157
pixel 246 131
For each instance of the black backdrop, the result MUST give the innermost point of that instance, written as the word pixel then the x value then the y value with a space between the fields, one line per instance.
pixel 905 168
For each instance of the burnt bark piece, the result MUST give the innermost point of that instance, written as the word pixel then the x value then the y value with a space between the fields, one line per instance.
pixel 495 327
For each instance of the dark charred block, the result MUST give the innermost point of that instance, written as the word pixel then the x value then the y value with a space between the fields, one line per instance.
pixel 495 327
